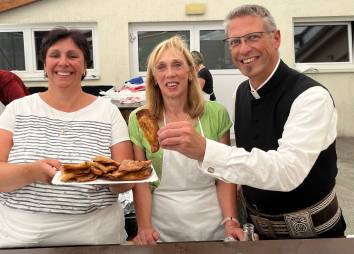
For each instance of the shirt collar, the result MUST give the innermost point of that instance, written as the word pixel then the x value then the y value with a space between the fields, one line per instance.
pixel 254 91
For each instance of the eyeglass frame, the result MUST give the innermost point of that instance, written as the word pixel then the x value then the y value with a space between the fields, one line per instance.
pixel 244 38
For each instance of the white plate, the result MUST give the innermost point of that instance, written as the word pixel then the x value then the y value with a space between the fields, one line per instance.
pixel 56 180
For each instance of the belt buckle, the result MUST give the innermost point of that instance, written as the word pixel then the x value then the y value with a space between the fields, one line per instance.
pixel 300 224
pixel 263 226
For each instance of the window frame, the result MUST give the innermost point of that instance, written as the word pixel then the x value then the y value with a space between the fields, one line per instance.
pixel 31 73
pixel 326 67
pixel 194 29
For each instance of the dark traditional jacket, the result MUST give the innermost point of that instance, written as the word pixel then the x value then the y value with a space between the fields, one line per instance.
pixel 259 124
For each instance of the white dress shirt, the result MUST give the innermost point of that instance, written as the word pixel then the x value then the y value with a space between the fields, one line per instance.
pixel 310 128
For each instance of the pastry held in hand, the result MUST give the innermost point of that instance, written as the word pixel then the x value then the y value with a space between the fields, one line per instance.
pixel 149 125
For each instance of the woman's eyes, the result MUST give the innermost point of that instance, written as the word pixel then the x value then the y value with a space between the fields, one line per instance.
pixel 177 65
pixel 58 55
pixel 174 66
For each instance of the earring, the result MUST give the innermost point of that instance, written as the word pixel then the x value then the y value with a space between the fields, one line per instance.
pixel 83 75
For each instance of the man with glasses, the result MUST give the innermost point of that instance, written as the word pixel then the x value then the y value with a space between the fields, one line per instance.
pixel 285 127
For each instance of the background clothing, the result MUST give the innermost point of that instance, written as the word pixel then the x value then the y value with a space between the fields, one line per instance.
pixel 11 87
pixel 41 131
pixel 205 74
pixel 215 121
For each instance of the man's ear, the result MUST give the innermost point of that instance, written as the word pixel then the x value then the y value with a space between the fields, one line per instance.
pixel 277 39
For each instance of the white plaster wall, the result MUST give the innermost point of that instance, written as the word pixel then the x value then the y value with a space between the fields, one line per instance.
pixel 113 17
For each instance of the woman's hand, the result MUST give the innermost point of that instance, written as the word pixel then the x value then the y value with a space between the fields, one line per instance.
pixel 44 170
pixel 146 236
pixel 233 229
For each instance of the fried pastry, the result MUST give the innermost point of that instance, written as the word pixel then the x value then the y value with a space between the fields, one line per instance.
pixel 131 166
pixel 149 125
pixel 103 167
pixel 138 175
pixel 71 171
pixel 106 161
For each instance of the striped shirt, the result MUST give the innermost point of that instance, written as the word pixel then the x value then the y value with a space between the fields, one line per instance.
pixel 40 131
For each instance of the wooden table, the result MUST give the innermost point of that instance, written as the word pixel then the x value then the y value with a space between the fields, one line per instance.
pixel 311 246
pixel 127 108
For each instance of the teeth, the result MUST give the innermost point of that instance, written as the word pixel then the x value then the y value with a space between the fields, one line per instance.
pixel 63 73
pixel 171 84
pixel 248 60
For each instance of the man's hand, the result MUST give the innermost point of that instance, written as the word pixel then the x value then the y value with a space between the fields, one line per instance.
pixel 182 137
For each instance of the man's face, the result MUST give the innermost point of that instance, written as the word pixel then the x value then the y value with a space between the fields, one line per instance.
pixel 255 56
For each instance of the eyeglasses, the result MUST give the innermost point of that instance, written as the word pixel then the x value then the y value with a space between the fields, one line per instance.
pixel 247 38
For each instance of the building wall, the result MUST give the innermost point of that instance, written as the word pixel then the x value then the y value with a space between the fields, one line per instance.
pixel 113 17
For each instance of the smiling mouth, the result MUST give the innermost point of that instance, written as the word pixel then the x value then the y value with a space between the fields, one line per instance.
pixel 171 84
pixel 248 60
pixel 64 74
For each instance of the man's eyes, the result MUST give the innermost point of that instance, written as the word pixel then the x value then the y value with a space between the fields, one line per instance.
pixel 252 37
pixel 235 42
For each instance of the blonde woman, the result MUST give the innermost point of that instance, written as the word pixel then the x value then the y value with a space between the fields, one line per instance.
pixel 185 205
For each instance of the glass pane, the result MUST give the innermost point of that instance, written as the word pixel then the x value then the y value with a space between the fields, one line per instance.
pixel 148 40
pixel 39 35
pixel 12 53
pixel 321 43
pixel 216 53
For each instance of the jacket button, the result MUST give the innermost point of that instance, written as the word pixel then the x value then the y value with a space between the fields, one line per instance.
pixel 211 170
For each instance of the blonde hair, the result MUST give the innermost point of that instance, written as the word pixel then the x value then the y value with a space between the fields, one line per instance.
pixel 197 58
pixel 154 100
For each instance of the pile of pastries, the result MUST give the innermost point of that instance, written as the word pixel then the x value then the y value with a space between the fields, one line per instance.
pixel 106 168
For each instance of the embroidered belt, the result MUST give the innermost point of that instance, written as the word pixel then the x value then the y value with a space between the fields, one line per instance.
pixel 304 223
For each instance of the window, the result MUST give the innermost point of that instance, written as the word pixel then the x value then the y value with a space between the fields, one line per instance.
pixel 215 51
pixel 147 40
pixel 204 37
pixel 19 49
pixel 12 55
pixel 324 46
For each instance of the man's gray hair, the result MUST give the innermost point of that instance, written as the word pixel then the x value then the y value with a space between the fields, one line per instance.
pixel 251 10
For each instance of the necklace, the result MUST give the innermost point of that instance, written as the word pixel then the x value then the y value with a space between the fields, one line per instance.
pixel 66 124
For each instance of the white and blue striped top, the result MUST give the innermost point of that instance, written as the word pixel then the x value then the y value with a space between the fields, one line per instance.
pixel 40 131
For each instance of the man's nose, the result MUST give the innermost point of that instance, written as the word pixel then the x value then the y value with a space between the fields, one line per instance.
pixel 244 47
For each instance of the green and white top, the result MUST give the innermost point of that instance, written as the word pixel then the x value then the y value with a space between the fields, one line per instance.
pixel 215 122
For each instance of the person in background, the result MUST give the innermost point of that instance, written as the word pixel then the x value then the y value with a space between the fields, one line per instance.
pixel 285 127
pixel 40 132
pixel 204 76
pixel 11 88
pixel 185 205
